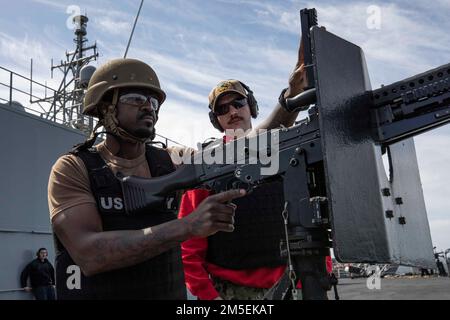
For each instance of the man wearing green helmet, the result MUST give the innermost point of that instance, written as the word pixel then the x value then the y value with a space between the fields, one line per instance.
pixel 115 255
pixel 102 252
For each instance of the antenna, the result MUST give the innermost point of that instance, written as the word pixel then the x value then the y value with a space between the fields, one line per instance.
pixel 132 31
pixel 67 100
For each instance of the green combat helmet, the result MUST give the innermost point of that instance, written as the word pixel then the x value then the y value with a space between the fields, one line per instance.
pixel 119 73
pixel 110 77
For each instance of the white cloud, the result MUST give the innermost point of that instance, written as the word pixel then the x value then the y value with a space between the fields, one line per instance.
pixel 440 233
pixel 54 4
pixel 404 42
pixel 184 123
pixel 170 66
pixel 185 94
pixel 113 25
pixel 19 51
pixel 15 54
pixel 433 157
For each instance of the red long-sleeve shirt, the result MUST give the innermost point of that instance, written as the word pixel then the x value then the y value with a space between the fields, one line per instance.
pixel 197 270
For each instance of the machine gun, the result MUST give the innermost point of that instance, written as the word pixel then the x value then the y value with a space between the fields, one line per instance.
pixel 331 165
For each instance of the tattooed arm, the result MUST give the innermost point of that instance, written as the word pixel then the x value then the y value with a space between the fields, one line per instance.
pixel 79 229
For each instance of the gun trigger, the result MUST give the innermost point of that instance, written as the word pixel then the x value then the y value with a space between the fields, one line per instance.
pixel 250 188
pixel 241 185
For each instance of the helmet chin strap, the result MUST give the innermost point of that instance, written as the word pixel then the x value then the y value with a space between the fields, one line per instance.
pixel 111 123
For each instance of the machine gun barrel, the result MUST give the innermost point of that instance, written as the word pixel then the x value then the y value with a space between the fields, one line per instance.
pixel 412 106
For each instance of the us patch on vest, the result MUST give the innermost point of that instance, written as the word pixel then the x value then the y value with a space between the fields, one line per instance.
pixel 111 204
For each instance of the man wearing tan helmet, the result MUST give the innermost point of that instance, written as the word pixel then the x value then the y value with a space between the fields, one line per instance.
pixel 243 264
pixel 103 253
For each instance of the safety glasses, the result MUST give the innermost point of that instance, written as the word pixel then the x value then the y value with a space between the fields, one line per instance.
pixel 222 109
pixel 138 100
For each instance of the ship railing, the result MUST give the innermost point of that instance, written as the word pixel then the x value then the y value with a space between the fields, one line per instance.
pixel 14 92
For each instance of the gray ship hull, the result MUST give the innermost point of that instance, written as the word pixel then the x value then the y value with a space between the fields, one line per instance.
pixel 30 146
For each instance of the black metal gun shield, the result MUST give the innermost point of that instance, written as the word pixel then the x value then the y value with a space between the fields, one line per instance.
pixel 374 219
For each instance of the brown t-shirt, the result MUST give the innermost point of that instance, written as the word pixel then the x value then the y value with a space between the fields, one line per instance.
pixel 69 184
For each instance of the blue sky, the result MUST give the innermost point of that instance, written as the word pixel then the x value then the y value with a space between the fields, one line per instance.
pixel 194 44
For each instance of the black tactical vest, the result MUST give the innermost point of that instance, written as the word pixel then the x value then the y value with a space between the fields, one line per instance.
pixel 160 277
pixel 258 229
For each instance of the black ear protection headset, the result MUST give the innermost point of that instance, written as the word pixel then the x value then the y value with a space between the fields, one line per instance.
pixel 252 103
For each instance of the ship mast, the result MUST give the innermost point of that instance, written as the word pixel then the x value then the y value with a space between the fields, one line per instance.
pixel 68 99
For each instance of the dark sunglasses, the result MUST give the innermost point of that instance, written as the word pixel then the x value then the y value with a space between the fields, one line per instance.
pixel 138 100
pixel 222 109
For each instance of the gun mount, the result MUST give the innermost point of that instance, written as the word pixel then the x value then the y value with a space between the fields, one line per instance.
pixel 331 164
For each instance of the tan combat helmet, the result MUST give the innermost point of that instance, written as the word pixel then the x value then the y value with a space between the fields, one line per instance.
pixel 120 73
